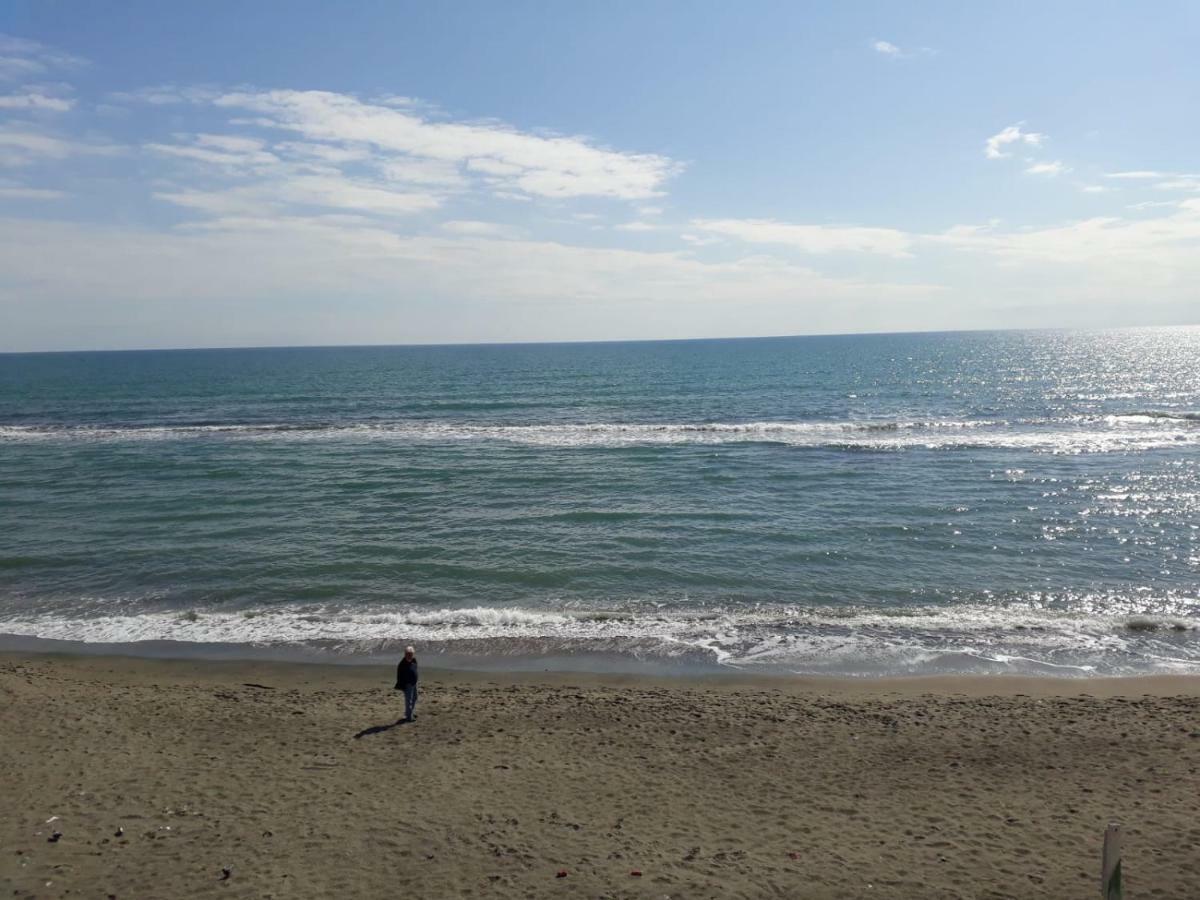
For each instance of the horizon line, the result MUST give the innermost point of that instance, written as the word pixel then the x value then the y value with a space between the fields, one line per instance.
pixel 585 342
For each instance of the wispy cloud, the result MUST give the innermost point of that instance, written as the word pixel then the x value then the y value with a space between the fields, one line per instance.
pixel 1186 182
pixel 893 51
pixel 34 100
pixel 1190 183
pixel 1110 242
pixel 999 145
pixel 1057 167
pixel 817 239
pixel 474 228
pixel 1154 204
pixel 166 95
pixel 431 172
pixel 228 151
pixel 21 58
pixel 19 192
pixel 350 157
pixel 292 193
pixel 524 283
pixel 509 159
pixel 1135 175
pixel 23 145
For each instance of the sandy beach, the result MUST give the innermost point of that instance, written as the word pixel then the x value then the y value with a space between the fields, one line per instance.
pixel 197 779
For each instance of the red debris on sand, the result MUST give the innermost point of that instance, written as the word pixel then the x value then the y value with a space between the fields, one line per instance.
pixel 793 855
pixel 636 873
pixel 562 873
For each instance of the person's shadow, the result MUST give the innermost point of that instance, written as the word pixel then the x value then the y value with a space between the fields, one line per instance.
pixel 377 729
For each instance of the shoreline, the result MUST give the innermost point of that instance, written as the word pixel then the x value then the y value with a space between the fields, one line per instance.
pixel 366 673
pixel 296 778
pixel 637 656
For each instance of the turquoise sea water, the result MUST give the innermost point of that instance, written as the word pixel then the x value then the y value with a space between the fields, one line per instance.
pixel 1010 501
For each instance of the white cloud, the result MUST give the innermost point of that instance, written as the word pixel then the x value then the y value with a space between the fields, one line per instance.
pixel 398 100
pixel 1095 272
pixel 1171 242
pixel 21 146
pixel 403 288
pixel 1189 183
pixel 15 67
pixel 818 239
pixel 344 278
pixel 275 196
pixel 1166 181
pixel 262 182
pixel 512 195
pixel 424 171
pixel 28 193
pixel 1057 167
pixel 227 151
pixel 322 153
pixel 892 51
pixel 636 226
pixel 22 58
pixel 343 193
pixel 235 202
pixel 34 100
pixel 166 95
pixel 230 143
pixel 1140 174
pixel 994 147
pixel 474 228
pixel 493 167
pixel 547 166
pixel 1095 189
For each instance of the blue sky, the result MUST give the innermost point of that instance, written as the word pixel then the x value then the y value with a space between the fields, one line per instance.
pixel 226 174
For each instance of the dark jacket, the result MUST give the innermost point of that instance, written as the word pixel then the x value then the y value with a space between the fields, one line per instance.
pixel 406 673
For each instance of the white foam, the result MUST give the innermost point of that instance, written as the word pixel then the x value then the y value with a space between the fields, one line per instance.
pixel 1012 638
pixel 1078 434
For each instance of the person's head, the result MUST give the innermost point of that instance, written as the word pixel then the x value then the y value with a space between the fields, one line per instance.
pixel 410 653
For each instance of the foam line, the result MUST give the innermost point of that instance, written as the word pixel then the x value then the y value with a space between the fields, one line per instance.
pixel 1077 434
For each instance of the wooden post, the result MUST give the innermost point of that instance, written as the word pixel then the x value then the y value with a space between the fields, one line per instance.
pixel 1110 867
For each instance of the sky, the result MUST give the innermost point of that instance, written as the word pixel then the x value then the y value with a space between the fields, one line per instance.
pixel 292 173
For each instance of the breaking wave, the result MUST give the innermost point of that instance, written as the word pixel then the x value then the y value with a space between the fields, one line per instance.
pixel 1079 434
pixel 850 641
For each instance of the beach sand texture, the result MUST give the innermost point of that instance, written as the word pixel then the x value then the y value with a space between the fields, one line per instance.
pixel 708 788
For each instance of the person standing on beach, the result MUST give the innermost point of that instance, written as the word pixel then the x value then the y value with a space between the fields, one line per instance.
pixel 406 680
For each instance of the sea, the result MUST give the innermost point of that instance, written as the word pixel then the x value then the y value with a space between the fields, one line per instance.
pixel 900 504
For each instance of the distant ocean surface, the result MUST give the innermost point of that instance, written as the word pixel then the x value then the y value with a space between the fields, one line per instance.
pixel 861 505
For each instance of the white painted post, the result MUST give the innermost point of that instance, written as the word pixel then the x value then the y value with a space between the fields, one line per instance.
pixel 1110 867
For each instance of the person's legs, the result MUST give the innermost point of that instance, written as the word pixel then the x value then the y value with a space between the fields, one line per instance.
pixel 410 700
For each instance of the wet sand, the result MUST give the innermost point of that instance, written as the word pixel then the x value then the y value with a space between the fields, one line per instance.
pixel 200 779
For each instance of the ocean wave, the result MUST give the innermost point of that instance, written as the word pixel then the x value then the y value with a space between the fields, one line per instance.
pixel 1077 434
pixel 1153 417
pixel 849 641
